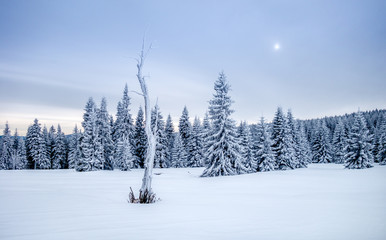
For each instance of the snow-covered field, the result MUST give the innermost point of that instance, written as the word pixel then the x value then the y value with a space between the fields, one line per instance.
pixel 320 202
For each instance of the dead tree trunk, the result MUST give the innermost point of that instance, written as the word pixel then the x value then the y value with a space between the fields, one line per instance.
pixel 146 194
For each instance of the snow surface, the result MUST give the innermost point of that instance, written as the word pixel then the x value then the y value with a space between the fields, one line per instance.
pixel 323 201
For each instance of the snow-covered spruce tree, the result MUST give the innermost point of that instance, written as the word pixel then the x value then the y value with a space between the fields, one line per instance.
pixel 74 149
pixel 185 129
pixel 104 131
pixel 20 152
pixel 196 145
pixel 223 153
pixel 339 142
pixel 146 194
pixel 179 155
pixel 60 152
pixel 381 153
pixel 206 129
pixel 169 133
pixel 300 161
pixel 245 143
pixel 305 154
pixel 358 149
pixel 140 140
pixel 123 155
pixel 157 122
pixel 264 156
pixel 50 139
pixel 6 149
pixel 379 130
pixel 123 126
pixel 321 147
pixel 91 144
pixel 36 145
pixel 282 142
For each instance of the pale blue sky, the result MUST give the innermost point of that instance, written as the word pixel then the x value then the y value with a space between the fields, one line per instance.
pixel 56 54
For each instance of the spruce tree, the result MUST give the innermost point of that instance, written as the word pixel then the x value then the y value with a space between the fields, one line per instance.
pixel 196 145
pixel 321 147
pixel 74 149
pixel 91 144
pixel 223 152
pixel 339 142
pixel 185 130
pixel 282 142
pixel 140 140
pixel 305 154
pixel 245 143
pixel 169 133
pixel 264 156
pixel 206 130
pixel 123 155
pixel 36 148
pixel 123 126
pixel 6 149
pixel 60 158
pixel 359 148
pixel 158 124
pixel 50 139
pixel 104 132
pixel 179 155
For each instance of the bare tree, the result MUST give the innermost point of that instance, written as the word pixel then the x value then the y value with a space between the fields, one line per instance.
pixel 146 194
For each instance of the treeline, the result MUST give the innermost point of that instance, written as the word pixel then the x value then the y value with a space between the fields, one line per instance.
pixel 217 143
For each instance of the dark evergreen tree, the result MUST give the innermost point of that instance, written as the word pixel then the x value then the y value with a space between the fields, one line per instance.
pixel 223 152
pixel 185 129
pixel 140 140
pixel 50 139
pixel 123 155
pixel 359 149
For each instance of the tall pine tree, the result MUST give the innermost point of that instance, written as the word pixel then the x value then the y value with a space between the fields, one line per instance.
pixel 223 152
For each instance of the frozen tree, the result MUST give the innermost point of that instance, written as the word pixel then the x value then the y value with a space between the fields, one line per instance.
pixel 104 132
pixel 50 139
pixel 305 155
pixel 123 156
pixel 74 149
pixel 36 147
pixel 140 139
pixel 196 145
pixel 223 152
pixel 245 143
pixel 91 144
pixel 157 122
pixel 146 194
pixel 179 155
pixel 185 129
pixel 300 160
pixel 282 142
pixel 358 149
pixel 379 130
pixel 381 153
pixel 6 149
pixel 321 147
pixel 339 142
pixel 206 129
pixel 123 126
pixel 169 133
pixel 264 157
pixel 60 152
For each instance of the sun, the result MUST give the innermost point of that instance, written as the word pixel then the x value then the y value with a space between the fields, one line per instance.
pixel 276 47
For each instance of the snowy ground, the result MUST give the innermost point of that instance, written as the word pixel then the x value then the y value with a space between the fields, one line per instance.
pixel 321 202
